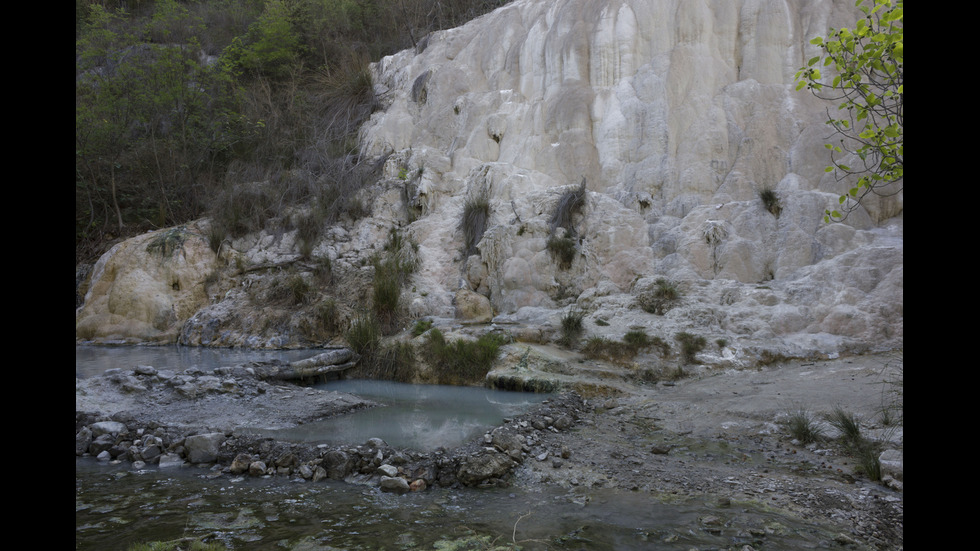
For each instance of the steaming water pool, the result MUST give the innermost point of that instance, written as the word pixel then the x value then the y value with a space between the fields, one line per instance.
pixel 419 417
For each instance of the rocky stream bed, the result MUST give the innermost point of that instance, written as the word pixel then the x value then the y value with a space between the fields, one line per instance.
pixel 715 437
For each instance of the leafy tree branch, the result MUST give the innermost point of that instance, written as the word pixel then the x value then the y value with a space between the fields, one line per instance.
pixel 868 83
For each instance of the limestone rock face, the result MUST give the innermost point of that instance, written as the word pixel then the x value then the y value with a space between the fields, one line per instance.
pixel 676 114
pixel 145 288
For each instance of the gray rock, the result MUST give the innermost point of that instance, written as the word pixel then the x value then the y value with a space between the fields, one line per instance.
pixel 394 484
pixel 240 464
pixel 148 370
pixel 563 422
pixel 107 427
pixel 101 443
pixel 388 470
pixel 481 467
pixel 170 460
pixel 149 453
pixel 507 442
pixel 337 464
pixel 257 468
pixel 319 473
pixel 83 439
pixel 203 448
pixel 892 462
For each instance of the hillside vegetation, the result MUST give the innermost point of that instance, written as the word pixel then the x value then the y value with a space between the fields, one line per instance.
pixel 230 108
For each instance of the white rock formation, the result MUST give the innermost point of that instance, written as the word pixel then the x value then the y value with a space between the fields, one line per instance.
pixel 144 288
pixel 677 113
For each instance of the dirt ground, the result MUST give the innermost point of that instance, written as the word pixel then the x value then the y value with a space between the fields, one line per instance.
pixel 720 437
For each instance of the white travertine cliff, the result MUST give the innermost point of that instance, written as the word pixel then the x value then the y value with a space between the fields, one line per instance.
pixel 677 114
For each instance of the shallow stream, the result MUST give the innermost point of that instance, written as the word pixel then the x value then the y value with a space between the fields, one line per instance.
pixel 117 506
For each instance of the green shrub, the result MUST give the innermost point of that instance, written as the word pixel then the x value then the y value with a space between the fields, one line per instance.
pixel 421 326
pixel 327 316
pixel 386 295
pixel 661 298
pixel 391 271
pixel 323 270
pixel 216 235
pixel 571 327
pixel 637 339
pixel 308 228
pixel 601 348
pixel 691 345
pixel 570 203
pixel 770 200
pixel 476 215
pixel 562 250
pixel 291 288
pixel 462 361
pixel 867 455
pixel 270 47
pixel 364 335
pixel 394 361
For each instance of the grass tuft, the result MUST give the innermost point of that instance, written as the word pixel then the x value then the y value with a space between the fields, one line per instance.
pixel 803 428
pixel 420 327
pixel 571 328
pixel 462 361
pixel 846 423
pixel 364 335
pixel 292 289
pixel 562 250
pixel 476 215
pixel 770 200
pixel 661 298
pixel 691 345
pixel 562 247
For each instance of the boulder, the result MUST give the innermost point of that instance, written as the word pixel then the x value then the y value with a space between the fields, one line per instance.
pixel 257 468
pixel 337 464
pixel 472 307
pixel 394 484
pixel 484 466
pixel 203 448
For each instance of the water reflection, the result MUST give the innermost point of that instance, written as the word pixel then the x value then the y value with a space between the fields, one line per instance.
pixel 420 417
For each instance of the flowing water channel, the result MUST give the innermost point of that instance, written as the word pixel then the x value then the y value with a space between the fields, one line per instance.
pixel 117 506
